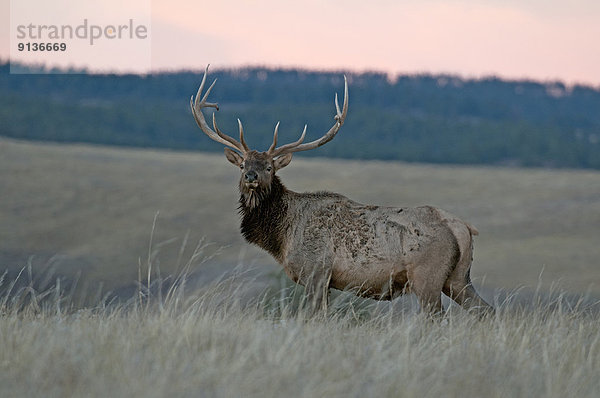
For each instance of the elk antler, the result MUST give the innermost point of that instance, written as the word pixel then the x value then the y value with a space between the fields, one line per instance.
pixel 298 146
pixel 199 103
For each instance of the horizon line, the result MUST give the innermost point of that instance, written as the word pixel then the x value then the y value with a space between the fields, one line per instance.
pixel 391 77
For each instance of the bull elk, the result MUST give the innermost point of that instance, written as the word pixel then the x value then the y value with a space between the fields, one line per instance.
pixel 324 240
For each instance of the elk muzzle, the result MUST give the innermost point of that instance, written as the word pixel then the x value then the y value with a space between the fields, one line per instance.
pixel 250 176
pixel 251 179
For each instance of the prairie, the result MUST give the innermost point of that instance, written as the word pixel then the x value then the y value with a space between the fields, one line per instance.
pixel 194 311
pixel 88 211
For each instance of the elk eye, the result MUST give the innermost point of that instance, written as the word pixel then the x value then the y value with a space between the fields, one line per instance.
pixel 269 168
pixel 242 166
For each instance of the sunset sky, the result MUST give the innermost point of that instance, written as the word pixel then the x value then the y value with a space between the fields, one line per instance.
pixel 540 39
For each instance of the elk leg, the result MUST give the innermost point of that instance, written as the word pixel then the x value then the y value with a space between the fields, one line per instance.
pixel 466 296
pixel 430 302
pixel 458 285
pixel 316 288
pixel 459 288
pixel 427 288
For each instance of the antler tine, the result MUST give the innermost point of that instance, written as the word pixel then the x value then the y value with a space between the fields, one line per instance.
pixel 202 103
pixel 198 103
pixel 243 142
pixel 231 141
pixel 345 107
pixel 340 117
pixel 274 144
pixel 291 146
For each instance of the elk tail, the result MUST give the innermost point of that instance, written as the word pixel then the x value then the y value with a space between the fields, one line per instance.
pixel 472 229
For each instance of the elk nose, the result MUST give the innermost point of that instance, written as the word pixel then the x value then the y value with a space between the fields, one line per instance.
pixel 251 176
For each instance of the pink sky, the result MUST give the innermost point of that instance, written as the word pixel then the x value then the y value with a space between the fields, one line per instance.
pixel 540 39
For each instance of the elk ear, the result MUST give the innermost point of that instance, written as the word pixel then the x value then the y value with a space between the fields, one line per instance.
pixel 233 157
pixel 282 161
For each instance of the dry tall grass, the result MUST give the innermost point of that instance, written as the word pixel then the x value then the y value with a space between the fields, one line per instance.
pixel 210 343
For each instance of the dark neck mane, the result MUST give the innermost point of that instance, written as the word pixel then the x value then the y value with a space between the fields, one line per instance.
pixel 265 224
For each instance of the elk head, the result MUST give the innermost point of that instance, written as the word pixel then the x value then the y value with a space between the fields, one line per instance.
pixel 258 168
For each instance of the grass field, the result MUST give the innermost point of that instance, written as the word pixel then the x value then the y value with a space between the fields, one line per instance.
pixel 209 344
pixel 88 214
pixel 90 210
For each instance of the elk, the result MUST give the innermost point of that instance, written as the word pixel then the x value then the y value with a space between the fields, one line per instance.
pixel 324 240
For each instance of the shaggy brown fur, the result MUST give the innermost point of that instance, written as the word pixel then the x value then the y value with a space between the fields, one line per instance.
pixel 326 240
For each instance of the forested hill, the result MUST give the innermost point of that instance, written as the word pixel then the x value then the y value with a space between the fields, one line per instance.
pixel 422 118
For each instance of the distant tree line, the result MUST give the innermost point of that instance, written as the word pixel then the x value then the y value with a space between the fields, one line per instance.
pixel 416 118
